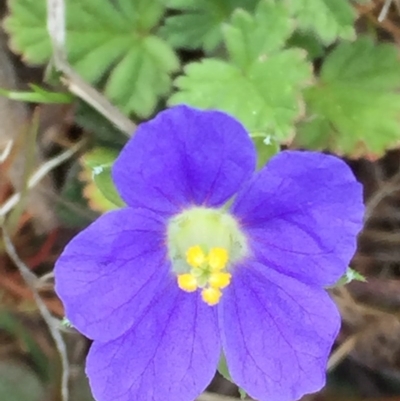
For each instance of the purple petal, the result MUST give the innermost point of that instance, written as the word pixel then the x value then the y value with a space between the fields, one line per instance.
pixel 108 273
pixel 302 213
pixel 182 157
pixel 277 333
pixel 171 353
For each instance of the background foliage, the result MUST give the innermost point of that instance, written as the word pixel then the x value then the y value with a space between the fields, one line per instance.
pixel 145 54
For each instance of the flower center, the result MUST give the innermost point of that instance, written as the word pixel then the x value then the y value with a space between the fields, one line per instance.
pixel 203 244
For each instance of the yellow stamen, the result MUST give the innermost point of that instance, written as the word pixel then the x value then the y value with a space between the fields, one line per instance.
pixel 217 258
pixel 211 296
pixel 207 273
pixel 187 282
pixel 195 256
pixel 219 279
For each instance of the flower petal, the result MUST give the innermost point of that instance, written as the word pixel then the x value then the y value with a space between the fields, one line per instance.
pixel 302 213
pixel 108 273
pixel 171 353
pixel 277 333
pixel 184 156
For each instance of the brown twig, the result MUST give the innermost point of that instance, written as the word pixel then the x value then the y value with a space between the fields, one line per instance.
pixel 385 23
pixel 342 352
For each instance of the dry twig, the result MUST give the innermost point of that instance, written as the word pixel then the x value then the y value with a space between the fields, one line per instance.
pixel 75 83
pixel 52 325
pixel 30 278
pixel 341 352
pixel 385 10
pixel 43 170
pixel 386 189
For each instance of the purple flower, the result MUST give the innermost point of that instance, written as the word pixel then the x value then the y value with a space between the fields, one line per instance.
pixel 210 257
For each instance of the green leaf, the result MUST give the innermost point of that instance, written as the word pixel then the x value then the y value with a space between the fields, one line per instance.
pixel 102 179
pixel 328 19
pixel 266 146
pixel 26 24
pixel 308 42
pixel 250 37
pixel 199 23
pixel 38 95
pixel 223 368
pixel 265 98
pixel 100 157
pixel 100 160
pixel 354 108
pixel 262 84
pixel 107 42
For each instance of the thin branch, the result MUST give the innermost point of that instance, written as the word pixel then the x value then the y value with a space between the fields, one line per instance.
pixel 381 193
pixel 87 93
pixel 36 177
pixel 6 151
pixel 385 10
pixel 341 352
pixel 31 280
pixel 56 28
pixel 75 83
pixel 29 138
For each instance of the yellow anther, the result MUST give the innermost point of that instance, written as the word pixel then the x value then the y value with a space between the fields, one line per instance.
pixel 195 256
pixel 207 273
pixel 187 282
pixel 217 258
pixel 211 296
pixel 219 279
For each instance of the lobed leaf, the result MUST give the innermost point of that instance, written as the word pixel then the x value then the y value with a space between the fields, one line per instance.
pixel 199 23
pixel 107 42
pixel 328 19
pixel 250 37
pixel 354 108
pixel 262 83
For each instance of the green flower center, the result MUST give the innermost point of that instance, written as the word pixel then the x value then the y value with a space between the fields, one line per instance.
pixel 203 244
